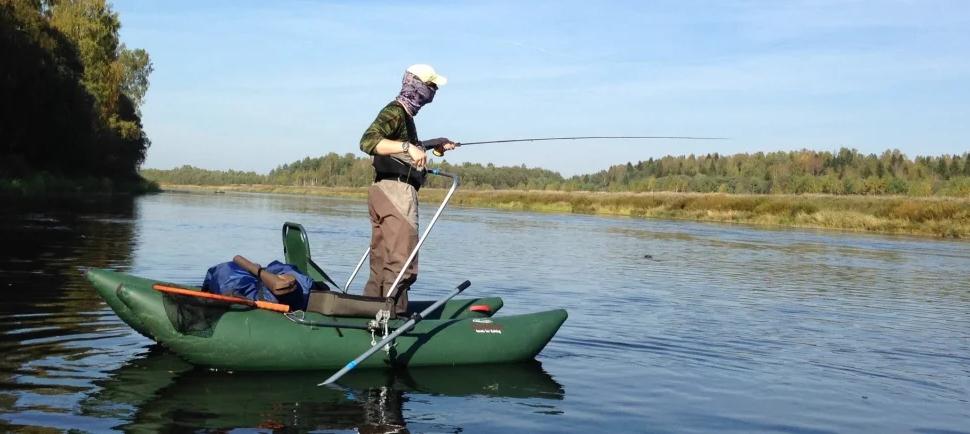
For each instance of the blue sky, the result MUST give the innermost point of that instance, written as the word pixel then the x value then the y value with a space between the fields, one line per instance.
pixel 251 85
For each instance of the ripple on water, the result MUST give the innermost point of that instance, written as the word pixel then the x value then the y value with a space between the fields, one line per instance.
pixel 722 328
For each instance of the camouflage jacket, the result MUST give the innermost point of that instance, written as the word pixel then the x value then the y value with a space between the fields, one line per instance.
pixel 392 123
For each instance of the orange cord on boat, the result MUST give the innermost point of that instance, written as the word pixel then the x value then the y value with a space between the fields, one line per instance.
pixel 276 307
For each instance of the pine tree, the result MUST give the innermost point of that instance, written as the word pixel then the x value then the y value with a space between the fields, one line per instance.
pixel 954 166
pixel 941 168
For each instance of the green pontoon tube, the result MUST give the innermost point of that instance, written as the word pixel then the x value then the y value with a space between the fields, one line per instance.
pixel 236 337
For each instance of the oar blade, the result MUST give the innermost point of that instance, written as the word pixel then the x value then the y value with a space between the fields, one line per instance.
pixel 333 378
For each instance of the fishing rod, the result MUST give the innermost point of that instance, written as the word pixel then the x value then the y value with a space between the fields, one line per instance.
pixel 540 139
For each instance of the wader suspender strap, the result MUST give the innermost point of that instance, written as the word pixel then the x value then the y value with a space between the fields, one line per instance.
pixel 412 132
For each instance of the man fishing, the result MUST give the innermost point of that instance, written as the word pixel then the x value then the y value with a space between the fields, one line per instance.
pixel 399 162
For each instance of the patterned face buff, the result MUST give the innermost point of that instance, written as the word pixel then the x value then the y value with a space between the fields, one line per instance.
pixel 415 93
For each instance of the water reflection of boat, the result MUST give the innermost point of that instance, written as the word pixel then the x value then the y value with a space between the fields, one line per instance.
pixel 160 392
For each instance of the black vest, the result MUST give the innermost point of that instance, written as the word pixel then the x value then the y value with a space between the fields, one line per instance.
pixel 388 167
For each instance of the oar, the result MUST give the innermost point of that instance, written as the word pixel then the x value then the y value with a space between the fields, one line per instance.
pixel 276 307
pixel 407 326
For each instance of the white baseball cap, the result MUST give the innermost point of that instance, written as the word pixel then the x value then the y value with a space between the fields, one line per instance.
pixel 427 74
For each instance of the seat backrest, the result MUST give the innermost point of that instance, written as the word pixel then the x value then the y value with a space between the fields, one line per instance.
pixel 296 246
pixel 296 251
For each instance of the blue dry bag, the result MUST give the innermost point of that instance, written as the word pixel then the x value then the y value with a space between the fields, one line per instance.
pixel 230 279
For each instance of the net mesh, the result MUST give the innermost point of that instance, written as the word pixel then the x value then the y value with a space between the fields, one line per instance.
pixel 195 316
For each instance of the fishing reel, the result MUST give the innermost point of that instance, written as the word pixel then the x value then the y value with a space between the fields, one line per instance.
pixel 437 146
pixel 440 151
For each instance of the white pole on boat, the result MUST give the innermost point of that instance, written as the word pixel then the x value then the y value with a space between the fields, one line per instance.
pixel 357 269
pixel 407 326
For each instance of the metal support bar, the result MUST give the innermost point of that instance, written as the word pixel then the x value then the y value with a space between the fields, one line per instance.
pixel 356 270
pixel 454 186
pixel 299 317
pixel 414 253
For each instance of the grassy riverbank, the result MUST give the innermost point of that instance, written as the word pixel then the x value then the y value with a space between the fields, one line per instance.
pixel 930 216
pixel 45 184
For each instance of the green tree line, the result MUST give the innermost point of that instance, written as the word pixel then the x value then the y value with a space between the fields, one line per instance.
pixel 348 170
pixel 71 92
pixel 794 172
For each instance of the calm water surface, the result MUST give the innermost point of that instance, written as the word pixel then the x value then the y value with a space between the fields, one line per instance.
pixel 673 327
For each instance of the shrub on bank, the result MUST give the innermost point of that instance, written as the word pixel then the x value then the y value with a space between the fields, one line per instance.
pixel 44 183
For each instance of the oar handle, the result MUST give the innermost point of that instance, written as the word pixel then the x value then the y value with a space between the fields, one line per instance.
pixel 275 307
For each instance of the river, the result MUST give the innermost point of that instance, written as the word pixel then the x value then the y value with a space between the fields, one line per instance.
pixel 673 326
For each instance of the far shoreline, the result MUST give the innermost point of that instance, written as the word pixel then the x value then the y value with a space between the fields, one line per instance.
pixel 933 216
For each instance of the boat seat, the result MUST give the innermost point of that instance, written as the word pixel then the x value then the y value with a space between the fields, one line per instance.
pixel 336 303
pixel 296 251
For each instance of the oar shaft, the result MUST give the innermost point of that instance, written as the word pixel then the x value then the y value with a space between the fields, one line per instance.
pixel 276 307
pixel 404 328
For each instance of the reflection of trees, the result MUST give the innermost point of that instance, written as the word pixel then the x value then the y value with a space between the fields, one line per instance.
pixel 161 393
pixel 48 305
pixel 47 242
